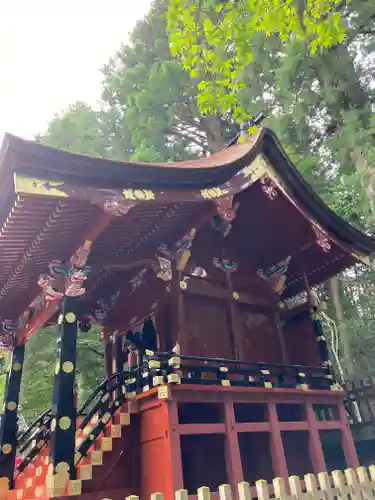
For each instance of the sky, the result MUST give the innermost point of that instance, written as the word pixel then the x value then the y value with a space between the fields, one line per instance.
pixel 51 52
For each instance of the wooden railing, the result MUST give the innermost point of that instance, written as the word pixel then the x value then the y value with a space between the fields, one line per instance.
pixel 162 368
pixel 358 484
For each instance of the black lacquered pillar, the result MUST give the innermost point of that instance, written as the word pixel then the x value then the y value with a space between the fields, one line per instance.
pixel 63 424
pixel 119 363
pixel 8 430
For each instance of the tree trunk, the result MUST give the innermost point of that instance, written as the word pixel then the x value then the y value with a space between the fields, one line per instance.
pixel 212 125
pixel 341 327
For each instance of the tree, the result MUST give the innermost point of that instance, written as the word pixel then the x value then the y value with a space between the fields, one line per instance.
pixel 78 130
pixel 155 100
pixel 317 91
pixel 4 363
pixel 215 38
pixel 39 369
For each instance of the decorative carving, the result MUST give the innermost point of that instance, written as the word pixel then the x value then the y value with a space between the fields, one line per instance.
pixel 198 271
pixel 114 207
pixel 269 188
pixel 226 213
pixel 76 279
pixel 105 306
pixel 276 275
pixel 79 259
pixel 165 269
pixel 181 251
pixel 45 283
pixel 8 334
pixel 74 273
pixel 137 280
pixel 322 238
pixel 226 265
pixel 295 301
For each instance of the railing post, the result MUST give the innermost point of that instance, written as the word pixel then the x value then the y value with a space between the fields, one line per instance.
pixel 63 424
pixel 9 426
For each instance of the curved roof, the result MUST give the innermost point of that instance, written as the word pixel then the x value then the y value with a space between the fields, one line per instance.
pixel 179 181
pixel 51 201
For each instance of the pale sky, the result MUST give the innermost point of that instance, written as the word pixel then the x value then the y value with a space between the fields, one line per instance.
pixel 51 52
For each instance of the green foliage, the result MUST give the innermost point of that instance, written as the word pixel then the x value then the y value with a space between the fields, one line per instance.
pixel 78 129
pixel 217 39
pixel 4 364
pixel 39 368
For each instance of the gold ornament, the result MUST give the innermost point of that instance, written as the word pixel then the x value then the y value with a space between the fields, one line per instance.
pixel 68 367
pixel 7 448
pixel 70 317
pixel 64 423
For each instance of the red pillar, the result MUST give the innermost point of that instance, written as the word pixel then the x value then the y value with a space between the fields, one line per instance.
pixel 175 445
pixel 347 440
pixel 233 455
pixel 280 467
pixel 315 445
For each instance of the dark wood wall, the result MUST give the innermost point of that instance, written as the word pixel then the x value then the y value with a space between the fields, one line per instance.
pixel 231 315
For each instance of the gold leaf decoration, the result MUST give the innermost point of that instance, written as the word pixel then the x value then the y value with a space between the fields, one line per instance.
pixel 42 187
pixel 138 194
pixel 209 194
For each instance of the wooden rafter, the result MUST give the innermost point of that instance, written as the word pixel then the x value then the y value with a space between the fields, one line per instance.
pixel 97 226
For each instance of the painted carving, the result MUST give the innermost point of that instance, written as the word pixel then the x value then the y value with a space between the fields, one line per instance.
pixel 114 207
pixel 269 188
pixel 226 265
pixel 8 332
pixel 138 280
pixel 73 273
pixel 50 293
pixel 276 275
pixel 295 301
pixel 322 238
pixel 198 271
pixel 105 306
pixel 79 259
pixel 181 251
pixel 226 213
pixel 76 279
pixel 165 269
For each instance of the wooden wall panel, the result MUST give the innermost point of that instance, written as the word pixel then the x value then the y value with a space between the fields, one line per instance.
pixel 207 327
pixel 300 341
pixel 260 341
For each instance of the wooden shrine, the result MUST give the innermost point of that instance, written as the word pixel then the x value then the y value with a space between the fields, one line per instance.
pixel 214 261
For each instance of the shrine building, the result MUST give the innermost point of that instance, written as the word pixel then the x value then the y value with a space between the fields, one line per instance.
pixel 214 261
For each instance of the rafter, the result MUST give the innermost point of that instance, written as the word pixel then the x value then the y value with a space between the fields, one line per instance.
pixel 97 226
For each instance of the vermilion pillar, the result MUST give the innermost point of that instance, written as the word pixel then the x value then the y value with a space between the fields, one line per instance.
pixel 8 430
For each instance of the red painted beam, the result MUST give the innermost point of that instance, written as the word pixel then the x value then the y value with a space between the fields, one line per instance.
pixel 37 322
pixel 99 224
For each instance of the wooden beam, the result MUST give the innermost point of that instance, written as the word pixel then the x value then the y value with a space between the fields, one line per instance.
pixel 96 228
pixel 37 322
